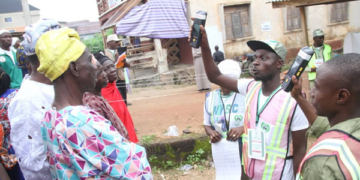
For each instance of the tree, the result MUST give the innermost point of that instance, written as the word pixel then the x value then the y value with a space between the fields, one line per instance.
pixel 96 44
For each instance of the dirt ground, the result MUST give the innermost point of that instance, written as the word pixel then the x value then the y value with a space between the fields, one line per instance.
pixel 154 109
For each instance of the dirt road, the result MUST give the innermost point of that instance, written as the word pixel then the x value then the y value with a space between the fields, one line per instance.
pixel 154 109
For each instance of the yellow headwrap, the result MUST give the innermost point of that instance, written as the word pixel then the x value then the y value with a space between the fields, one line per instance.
pixel 56 49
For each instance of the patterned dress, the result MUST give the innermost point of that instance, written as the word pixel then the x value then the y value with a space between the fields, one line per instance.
pixel 7 159
pixel 100 105
pixel 81 144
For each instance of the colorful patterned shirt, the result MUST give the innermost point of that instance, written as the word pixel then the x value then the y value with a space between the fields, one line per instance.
pixel 101 106
pixel 5 100
pixel 81 144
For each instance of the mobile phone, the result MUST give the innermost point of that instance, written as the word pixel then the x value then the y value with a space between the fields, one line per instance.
pixel 196 36
pixel 121 50
pixel 297 68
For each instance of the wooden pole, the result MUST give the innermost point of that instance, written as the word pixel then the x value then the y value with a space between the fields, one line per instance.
pixel 161 55
pixel 304 25
pixel 104 38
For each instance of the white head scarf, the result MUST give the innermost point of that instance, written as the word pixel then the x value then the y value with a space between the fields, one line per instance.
pixel 14 39
pixel 230 68
pixel 4 31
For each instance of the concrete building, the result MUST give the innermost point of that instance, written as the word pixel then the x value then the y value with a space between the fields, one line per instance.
pixel 241 20
pixel 12 16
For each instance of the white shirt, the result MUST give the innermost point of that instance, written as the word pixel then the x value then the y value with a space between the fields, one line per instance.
pixel 228 101
pixel 26 111
pixel 299 122
pixel 9 53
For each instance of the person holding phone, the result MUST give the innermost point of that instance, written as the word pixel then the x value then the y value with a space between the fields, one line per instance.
pixel 113 43
pixel 335 154
pixel 272 118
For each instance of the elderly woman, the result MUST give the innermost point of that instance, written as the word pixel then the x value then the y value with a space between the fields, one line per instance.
pixel 223 122
pixel 112 94
pixel 98 103
pixel 80 143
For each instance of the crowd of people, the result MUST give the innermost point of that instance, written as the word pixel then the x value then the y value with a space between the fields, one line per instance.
pixel 62 109
pixel 275 124
pixel 63 116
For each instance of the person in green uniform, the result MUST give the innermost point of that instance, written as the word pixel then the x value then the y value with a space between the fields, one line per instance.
pixel 335 155
pixel 318 124
pixel 323 53
pixel 8 59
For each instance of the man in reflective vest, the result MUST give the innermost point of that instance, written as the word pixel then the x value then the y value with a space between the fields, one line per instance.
pixel 335 155
pixel 272 118
pixel 322 54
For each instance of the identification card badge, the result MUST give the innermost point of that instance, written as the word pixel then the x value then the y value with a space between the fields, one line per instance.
pixel 256 147
pixel 318 62
pixel 2 59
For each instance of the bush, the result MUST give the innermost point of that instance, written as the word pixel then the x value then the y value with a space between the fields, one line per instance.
pixel 94 44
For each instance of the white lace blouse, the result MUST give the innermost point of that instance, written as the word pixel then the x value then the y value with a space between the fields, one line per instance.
pixel 26 112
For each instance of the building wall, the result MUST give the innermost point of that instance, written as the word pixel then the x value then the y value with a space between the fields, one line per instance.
pixel 18 23
pixel 318 17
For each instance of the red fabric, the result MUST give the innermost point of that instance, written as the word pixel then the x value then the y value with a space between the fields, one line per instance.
pixel 113 96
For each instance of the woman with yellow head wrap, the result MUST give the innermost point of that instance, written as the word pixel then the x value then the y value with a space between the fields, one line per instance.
pixel 80 142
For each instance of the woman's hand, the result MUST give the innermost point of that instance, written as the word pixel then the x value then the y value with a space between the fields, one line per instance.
pixel 235 133
pixel 215 136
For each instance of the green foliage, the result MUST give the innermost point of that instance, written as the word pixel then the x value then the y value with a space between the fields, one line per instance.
pixel 148 139
pixel 164 164
pixel 196 157
pixel 94 44
pixel 170 159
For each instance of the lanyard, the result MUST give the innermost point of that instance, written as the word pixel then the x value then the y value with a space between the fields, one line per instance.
pixel 265 104
pixel 227 123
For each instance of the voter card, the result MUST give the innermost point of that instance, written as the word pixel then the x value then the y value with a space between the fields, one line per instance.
pixel 256 147
pixel 318 62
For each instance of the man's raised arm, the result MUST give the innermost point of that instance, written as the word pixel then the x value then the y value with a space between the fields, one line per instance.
pixel 212 71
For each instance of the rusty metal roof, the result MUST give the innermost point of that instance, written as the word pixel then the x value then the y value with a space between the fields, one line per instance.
pixel 121 12
pixel 298 3
pixel 276 1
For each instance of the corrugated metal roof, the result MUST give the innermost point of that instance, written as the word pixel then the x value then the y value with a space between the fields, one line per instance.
pixel 299 3
pixel 12 6
pixel 121 12
pixel 275 1
pixel 155 19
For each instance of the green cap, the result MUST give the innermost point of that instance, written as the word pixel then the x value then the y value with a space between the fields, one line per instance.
pixel 270 45
pixel 318 32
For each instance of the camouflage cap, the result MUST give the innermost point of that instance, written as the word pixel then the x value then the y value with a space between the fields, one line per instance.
pixel 318 32
pixel 270 45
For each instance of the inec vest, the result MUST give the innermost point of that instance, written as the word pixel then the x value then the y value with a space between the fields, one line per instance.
pixel 326 56
pixel 341 145
pixel 274 121
pixel 215 108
